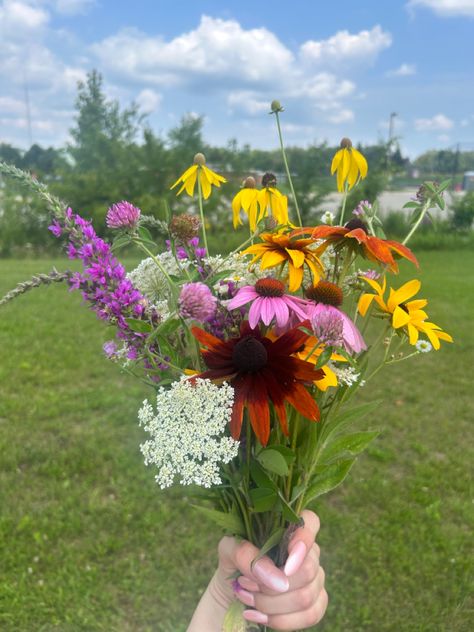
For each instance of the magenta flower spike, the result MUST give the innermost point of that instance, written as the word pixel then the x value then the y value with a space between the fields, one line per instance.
pixel 122 215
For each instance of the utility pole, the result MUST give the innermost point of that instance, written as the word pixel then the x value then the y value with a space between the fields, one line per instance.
pixel 391 127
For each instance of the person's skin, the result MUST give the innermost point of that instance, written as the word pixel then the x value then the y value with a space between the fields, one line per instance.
pixel 292 598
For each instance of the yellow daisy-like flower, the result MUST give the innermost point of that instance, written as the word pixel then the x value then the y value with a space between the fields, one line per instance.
pixel 405 314
pixel 247 200
pixel 279 248
pixel 271 201
pixel 349 164
pixel 207 178
pixel 330 378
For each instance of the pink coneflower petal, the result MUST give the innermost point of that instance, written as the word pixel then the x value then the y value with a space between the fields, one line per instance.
pixel 352 336
pixel 298 305
pixel 255 312
pixel 282 312
pixel 244 295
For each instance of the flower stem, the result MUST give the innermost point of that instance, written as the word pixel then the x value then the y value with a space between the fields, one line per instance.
pixel 201 211
pixel 343 208
pixel 423 212
pixel 288 175
pixel 158 263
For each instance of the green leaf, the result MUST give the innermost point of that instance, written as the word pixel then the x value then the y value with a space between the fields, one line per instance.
pixel 287 453
pixel 273 540
pixel 347 445
pixel 120 242
pixel 328 479
pixel 229 521
pixel 411 204
pixel 141 326
pixel 444 185
pixel 348 417
pixel 145 234
pixel 169 326
pixel 263 499
pixel 260 477
pixel 324 358
pixel 287 511
pixel 273 461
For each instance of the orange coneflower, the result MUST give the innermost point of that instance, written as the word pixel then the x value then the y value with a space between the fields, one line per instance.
pixel 261 371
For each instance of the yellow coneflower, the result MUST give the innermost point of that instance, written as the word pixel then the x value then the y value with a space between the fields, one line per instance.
pixel 207 178
pixel 350 165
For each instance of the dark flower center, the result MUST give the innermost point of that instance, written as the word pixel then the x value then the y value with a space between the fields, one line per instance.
pixel 249 355
pixel 269 180
pixel 269 287
pixel 404 307
pixel 352 224
pixel 325 292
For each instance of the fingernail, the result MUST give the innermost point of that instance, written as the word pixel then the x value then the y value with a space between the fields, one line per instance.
pixel 255 616
pixel 295 558
pixel 273 579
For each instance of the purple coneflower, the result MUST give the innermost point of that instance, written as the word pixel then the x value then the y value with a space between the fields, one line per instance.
pixel 197 302
pixel 323 311
pixel 122 215
pixel 269 301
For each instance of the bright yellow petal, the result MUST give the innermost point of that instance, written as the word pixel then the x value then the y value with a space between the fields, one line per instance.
pixel 297 257
pixel 364 303
pixel 401 295
pixel 375 286
pixel 400 318
pixel 412 334
pixel 206 187
pixel 329 379
pixel 213 177
pixel 361 162
pixel 272 258
pixel 236 206
pixel 336 160
pixel 190 183
pixel 295 277
pixel 353 174
pixel 185 175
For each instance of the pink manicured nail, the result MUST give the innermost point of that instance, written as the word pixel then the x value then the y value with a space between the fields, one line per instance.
pixel 244 596
pixel 271 577
pixel 248 584
pixel 295 558
pixel 255 616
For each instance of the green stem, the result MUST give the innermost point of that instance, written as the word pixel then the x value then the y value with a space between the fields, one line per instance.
pixel 201 211
pixel 158 263
pixel 343 208
pixel 288 175
pixel 423 212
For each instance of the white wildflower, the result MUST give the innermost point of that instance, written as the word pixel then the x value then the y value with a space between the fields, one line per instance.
pixel 423 346
pixel 187 432
pixel 240 271
pixel 346 375
pixel 148 278
pixel 328 218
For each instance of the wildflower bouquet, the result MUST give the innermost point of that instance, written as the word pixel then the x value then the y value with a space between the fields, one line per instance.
pixel 256 355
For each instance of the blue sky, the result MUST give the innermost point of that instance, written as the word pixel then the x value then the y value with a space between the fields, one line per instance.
pixel 339 68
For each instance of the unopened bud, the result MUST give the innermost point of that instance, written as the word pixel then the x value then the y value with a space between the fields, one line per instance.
pixel 275 106
pixel 199 159
pixel 346 143
pixel 249 183
pixel 270 223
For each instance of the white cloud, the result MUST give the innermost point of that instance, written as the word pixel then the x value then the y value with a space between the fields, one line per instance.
pixel 217 48
pixel 148 100
pixel 343 116
pixel 19 19
pixel 445 8
pixel 444 138
pixel 73 7
pixel 347 48
pixel 247 102
pixel 438 122
pixel 404 70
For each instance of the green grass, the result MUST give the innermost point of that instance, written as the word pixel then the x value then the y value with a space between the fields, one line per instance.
pixel 88 542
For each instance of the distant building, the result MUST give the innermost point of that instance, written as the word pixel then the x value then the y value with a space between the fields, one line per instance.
pixel 468 181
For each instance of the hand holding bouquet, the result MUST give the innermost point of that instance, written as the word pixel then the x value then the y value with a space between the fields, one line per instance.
pixel 255 355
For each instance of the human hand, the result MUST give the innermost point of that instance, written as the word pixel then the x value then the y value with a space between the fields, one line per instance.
pixel 284 599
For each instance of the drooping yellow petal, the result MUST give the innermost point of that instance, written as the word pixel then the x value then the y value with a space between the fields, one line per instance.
pixel 297 257
pixel 206 187
pixel 364 303
pixel 213 177
pixel 236 206
pixel 295 277
pixel 272 258
pixel 185 176
pixel 329 379
pixel 361 162
pixel 412 334
pixel 336 161
pixel 400 317
pixel 343 169
pixel 353 174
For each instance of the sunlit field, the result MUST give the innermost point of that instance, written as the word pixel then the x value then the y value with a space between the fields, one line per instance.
pixel 88 541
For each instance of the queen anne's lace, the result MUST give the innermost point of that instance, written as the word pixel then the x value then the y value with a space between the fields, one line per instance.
pixel 187 432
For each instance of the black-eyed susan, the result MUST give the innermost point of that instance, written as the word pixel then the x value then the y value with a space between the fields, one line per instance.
pixel 207 178
pixel 247 201
pixel 271 201
pixel 280 248
pixel 404 314
pixel 349 164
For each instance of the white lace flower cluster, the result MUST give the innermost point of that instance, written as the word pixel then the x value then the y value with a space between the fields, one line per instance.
pixel 150 280
pixel 241 273
pixel 347 375
pixel 187 432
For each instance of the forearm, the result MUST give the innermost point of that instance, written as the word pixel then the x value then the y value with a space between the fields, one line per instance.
pixel 210 612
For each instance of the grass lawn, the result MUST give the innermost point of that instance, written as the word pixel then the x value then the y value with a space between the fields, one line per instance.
pixel 88 542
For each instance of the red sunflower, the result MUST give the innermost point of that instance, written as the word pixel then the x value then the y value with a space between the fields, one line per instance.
pixel 261 370
pixel 355 235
